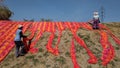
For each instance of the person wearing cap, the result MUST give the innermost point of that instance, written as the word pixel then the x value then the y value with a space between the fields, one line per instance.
pixel 96 20
pixel 18 41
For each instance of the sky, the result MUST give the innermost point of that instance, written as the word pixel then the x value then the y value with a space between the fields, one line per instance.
pixel 63 10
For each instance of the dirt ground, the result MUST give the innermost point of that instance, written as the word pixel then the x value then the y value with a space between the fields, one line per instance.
pixel 44 59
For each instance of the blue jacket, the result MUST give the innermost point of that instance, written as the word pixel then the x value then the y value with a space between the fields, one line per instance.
pixel 19 34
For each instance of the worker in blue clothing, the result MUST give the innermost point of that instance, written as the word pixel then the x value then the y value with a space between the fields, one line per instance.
pixel 18 42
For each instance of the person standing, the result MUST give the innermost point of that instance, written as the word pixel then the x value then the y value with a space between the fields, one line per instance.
pixel 96 20
pixel 18 42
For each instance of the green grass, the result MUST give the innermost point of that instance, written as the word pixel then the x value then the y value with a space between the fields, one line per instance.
pixel 67 54
pixel 117 48
pixel 40 50
pixel 35 61
pixel 61 60
pixel 46 54
pixel 112 63
pixel 30 57
pixel 11 56
pixel 42 62
pixel 89 66
pixel 67 41
pixel 6 64
pixel 86 37
pixel 116 59
pixel 39 56
pixel 47 66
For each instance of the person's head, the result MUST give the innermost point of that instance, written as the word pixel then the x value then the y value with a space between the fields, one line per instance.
pixel 20 26
pixel 96 15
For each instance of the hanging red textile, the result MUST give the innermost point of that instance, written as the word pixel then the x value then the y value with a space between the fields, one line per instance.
pixel 27 46
pixel 73 56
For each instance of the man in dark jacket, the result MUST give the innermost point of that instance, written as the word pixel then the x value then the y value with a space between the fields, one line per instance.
pixel 18 42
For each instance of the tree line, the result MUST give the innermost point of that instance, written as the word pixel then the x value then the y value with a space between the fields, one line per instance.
pixel 6 13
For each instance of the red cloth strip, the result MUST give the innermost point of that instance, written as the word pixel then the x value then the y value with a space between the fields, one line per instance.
pixel 92 59
pixel 73 56
pixel 108 50
pixel 116 39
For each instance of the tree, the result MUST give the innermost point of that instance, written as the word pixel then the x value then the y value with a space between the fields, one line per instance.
pixel 45 20
pixel 5 13
pixel 32 20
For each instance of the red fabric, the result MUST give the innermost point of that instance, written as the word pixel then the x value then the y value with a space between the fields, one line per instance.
pixel 32 30
pixel 73 56
pixel 103 39
pixel 92 59
pixel 58 41
pixel 107 55
pixel 44 27
pixel 48 27
pixel 60 26
pixel 39 34
pixel 51 28
pixel 4 52
pixel 8 30
pixel 49 45
pixel 108 50
pixel 7 45
pixel 25 27
pixel 116 39
pixel 25 44
pixel 32 48
pixel 86 25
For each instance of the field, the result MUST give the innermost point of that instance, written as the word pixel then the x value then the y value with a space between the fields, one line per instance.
pixel 44 59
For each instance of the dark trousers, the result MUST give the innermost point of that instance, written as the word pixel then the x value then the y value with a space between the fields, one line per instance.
pixel 19 48
pixel 96 24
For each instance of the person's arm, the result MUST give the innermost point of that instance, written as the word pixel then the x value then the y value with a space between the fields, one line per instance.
pixel 90 21
pixel 21 34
